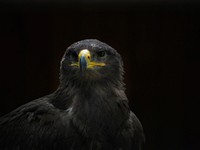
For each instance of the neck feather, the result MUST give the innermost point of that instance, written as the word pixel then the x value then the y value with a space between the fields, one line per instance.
pixel 97 107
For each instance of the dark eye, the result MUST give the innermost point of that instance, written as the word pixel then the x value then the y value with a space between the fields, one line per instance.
pixel 101 53
pixel 72 54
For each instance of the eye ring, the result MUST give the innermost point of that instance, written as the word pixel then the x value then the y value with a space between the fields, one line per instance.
pixel 101 53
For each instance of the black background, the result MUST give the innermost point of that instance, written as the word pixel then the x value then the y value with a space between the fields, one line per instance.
pixel 159 43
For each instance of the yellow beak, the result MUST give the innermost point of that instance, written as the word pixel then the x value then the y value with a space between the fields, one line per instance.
pixel 84 60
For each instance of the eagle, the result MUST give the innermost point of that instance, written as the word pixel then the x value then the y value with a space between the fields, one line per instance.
pixel 88 111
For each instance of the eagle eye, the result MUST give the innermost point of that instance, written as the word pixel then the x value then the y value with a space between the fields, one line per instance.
pixel 101 53
pixel 72 54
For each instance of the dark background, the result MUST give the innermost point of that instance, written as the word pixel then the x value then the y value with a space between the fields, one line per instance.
pixel 159 43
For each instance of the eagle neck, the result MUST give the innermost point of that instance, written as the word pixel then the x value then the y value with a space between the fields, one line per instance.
pixel 99 108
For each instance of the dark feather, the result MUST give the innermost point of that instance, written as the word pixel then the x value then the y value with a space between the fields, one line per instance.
pixel 87 112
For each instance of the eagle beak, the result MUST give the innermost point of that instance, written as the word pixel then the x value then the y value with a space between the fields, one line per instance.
pixel 84 61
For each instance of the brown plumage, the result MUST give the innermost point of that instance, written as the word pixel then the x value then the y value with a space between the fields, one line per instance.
pixel 88 111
